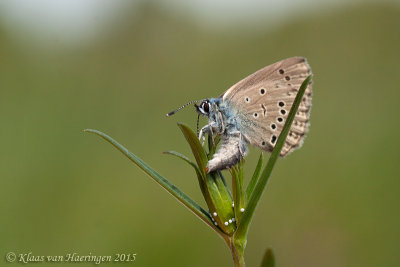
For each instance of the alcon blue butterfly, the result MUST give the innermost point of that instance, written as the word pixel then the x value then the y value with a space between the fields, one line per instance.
pixel 254 110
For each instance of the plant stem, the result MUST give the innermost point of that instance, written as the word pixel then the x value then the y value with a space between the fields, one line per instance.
pixel 237 250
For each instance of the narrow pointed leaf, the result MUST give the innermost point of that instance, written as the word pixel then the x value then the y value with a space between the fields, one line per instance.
pixel 212 144
pixel 198 173
pixel 197 149
pixel 215 194
pixel 224 181
pixel 183 157
pixel 167 185
pixel 243 227
pixel 234 174
pixel 220 201
pixel 212 147
pixel 238 189
pixel 242 198
pixel 254 178
pixel 268 259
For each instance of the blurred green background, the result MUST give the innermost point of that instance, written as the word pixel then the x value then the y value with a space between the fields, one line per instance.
pixel 335 202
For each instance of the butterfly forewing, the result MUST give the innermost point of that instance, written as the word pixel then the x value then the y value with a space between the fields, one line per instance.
pixel 262 101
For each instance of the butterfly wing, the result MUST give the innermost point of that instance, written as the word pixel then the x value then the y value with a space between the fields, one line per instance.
pixel 262 101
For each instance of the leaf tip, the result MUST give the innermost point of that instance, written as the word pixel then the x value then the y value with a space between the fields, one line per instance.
pixel 309 78
pixel 88 130
pixel 269 258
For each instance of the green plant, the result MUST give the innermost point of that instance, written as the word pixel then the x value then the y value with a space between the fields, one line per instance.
pixel 230 212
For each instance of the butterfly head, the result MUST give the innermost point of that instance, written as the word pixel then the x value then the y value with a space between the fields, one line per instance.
pixel 204 108
pixel 208 107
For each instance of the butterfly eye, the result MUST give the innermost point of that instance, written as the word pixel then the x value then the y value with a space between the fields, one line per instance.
pixel 206 107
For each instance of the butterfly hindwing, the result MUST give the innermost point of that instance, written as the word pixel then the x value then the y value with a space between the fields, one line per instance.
pixel 262 101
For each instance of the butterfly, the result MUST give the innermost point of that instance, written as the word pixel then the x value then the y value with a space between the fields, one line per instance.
pixel 254 110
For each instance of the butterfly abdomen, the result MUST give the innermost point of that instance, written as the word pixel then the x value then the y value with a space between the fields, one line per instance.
pixel 231 151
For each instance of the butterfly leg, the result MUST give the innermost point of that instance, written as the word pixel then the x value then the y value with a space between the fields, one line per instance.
pixel 203 133
pixel 211 134
pixel 207 129
pixel 221 123
pixel 240 143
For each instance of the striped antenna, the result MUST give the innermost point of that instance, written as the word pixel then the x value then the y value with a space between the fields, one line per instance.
pixel 198 118
pixel 176 110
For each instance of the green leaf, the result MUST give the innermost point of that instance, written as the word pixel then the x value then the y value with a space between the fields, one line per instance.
pixel 224 181
pixel 197 149
pixel 215 191
pixel 183 157
pixel 167 185
pixel 198 173
pixel 254 178
pixel 269 259
pixel 220 201
pixel 238 189
pixel 243 227
pixel 212 144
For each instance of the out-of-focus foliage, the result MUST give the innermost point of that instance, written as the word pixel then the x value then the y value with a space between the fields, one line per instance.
pixel 332 203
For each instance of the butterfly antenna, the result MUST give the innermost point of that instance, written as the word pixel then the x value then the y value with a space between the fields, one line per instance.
pixel 176 110
pixel 198 118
